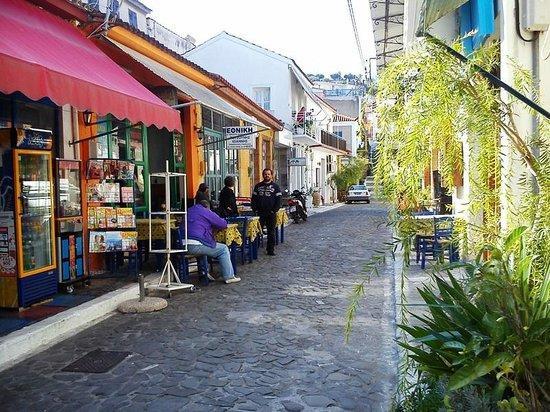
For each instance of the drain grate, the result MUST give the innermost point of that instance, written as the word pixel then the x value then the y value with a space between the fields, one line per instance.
pixel 97 361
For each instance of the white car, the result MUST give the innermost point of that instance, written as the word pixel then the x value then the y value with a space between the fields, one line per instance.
pixel 358 193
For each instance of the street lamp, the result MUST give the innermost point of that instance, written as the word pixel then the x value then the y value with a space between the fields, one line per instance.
pixel 87 117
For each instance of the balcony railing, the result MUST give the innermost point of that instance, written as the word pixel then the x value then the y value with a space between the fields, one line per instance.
pixel 304 124
pixel 332 140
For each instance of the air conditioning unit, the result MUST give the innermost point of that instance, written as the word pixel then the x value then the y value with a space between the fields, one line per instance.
pixel 535 15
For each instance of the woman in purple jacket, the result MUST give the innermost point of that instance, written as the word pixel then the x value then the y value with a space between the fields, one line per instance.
pixel 201 223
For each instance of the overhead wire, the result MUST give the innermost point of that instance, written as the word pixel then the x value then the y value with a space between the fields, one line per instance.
pixel 357 39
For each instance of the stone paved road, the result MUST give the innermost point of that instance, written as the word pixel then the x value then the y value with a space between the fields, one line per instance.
pixel 272 342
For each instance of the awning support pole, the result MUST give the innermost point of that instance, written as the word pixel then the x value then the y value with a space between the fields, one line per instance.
pixel 490 77
pixel 234 137
pixel 116 129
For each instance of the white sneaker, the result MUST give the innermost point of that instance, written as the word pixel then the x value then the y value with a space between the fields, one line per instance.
pixel 234 279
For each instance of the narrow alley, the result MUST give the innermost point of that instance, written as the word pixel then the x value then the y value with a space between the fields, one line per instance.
pixel 274 341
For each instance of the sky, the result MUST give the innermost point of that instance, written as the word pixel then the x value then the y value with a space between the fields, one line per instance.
pixel 317 34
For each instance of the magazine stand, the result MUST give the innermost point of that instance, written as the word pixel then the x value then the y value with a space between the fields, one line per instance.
pixel 111 212
pixel 169 279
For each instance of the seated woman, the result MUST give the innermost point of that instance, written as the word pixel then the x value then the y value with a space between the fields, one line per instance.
pixel 228 201
pixel 203 193
pixel 201 223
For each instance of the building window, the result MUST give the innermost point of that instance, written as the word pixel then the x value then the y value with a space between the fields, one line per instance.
pixel 262 97
pixel 338 133
pixel 132 18
pixel 329 164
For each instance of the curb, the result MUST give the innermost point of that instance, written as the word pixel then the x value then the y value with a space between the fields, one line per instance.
pixel 322 209
pixel 22 344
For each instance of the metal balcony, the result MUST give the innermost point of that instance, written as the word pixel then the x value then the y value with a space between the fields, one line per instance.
pixel 332 140
pixel 303 124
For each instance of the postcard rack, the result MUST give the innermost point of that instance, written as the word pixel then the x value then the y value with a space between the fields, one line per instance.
pixel 169 280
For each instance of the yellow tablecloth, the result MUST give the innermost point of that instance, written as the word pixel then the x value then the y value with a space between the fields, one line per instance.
pixel 229 235
pixel 158 228
pixel 281 218
pixel 254 227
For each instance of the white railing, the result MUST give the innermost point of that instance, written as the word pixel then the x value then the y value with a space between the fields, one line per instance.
pixel 304 124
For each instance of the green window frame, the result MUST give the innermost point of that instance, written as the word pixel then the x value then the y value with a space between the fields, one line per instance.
pixel 177 164
pixel 122 145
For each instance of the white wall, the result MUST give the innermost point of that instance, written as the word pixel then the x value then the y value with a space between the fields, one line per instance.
pixel 168 38
pixel 532 57
pixel 349 133
pixel 246 68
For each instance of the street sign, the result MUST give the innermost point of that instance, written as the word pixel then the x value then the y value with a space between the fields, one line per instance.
pixel 297 161
pixel 243 142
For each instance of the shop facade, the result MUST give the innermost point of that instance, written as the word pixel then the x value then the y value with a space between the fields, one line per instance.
pixel 45 146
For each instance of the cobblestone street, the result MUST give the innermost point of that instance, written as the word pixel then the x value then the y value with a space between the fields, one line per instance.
pixel 274 341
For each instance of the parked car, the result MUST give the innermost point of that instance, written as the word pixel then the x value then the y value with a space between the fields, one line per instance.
pixel 358 193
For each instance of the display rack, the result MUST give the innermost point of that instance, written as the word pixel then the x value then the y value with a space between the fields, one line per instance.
pixel 70 241
pixel 111 214
pixel 169 280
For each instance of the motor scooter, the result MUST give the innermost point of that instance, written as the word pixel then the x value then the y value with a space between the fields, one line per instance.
pixel 297 206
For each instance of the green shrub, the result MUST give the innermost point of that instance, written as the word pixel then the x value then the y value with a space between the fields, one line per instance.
pixel 491 330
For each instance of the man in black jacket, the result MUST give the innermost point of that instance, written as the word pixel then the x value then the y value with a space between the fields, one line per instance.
pixel 266 201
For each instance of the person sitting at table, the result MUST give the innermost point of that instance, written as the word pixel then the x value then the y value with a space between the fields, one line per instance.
pixel 201 223
pixel 228 201
pixel 203 193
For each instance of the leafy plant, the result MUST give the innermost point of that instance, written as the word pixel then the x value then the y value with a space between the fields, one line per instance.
pixel 350 174
pixel 493 329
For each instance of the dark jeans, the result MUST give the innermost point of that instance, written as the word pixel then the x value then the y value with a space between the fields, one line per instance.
pixel 268 220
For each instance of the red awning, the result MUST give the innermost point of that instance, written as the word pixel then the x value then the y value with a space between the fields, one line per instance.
pixel 42 55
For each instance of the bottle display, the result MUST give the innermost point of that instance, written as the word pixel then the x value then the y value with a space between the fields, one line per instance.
pixel 36 210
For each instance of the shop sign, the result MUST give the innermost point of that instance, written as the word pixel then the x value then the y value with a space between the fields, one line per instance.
pixel 297 161
pixel 243 142
pixel 34 139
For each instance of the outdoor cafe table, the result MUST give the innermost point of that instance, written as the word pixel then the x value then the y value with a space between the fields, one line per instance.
pixel 254 232
pixel 425 225
pixel 232 238
pixel 281 219
pixel 158 228
pixel 158 236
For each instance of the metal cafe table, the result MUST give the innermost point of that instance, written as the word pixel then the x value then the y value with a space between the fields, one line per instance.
pixel 281 219
pixel 158 234
pixel 232 238
pixel 254 232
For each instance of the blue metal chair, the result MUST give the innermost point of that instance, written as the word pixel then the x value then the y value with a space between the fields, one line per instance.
pixel 246 249
pixel 442 241
pixel 184 260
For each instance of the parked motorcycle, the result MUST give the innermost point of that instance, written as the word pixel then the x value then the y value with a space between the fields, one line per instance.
pixel 297 206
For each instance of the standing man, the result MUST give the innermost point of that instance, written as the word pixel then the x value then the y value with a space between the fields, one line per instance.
pixel 266 201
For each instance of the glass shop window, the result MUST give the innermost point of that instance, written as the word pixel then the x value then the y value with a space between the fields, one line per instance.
pixel 139 186
pixel 136 144
pixel 206 117
pixel 101 144
pixel 5 113
pixel 119 137
pixel 217 121
pixel 35 115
